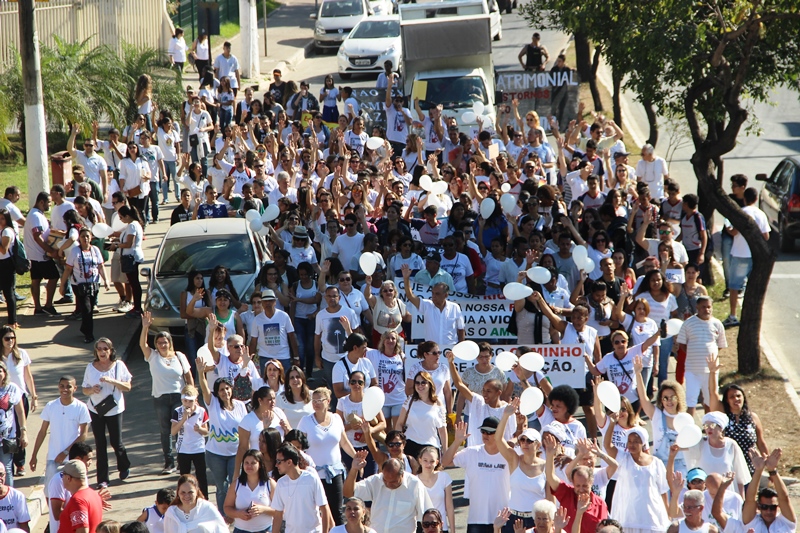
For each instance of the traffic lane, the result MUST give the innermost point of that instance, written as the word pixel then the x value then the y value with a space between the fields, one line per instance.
pixel 782 314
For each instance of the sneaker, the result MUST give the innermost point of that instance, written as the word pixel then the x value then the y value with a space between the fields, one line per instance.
pixel 64 300
pixel 731 322
pixel 116 307
pixel 133 313
pixel 50 310
pixel 124 307
pixel 19 471
pixel 169 469
pixel 39 311
pixel 95 311
pixel 101 486
pixel 74 316
pixel 20 298
pixel 726 294
pixel 88 340
pixel 124 474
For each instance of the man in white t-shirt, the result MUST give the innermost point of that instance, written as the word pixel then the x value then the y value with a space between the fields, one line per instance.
pixel 398 120
pixel 443 320
pixel 330 334
pixel 652 170
pixel 93 164
pixel 741 256
pixel 666 234
pixel 299 497
pixel 272 335
pixel 486 471
pixel 350 243
pixel 226 64
pixel 69 419
pixel 458 266
pixel 11 197
pixel 577 180
pixel 41 253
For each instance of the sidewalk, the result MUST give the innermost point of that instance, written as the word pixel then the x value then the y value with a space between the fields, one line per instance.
pixel 290 34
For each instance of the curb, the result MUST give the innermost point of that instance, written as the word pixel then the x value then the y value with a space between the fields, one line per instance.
pixel 772 359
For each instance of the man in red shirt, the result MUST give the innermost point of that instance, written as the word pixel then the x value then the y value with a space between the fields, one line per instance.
pixel 84 510
pixel 567 495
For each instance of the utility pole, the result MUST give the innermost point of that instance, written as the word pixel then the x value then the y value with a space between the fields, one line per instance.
pixel 35 125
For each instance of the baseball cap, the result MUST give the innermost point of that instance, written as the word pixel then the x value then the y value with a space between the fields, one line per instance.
pixel 490 424
pixel 531 434
pixel 621 153
pixel 696 473
pixel 433 256
pixel 75 468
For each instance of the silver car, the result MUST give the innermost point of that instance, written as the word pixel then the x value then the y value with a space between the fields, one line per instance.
pixel 201 245
pixel 336 18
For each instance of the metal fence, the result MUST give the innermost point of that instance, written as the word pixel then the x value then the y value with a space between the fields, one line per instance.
pixel 143 23
pixel 184 14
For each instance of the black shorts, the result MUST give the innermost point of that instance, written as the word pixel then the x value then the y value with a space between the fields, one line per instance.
pixel 44 270
pixel 586 395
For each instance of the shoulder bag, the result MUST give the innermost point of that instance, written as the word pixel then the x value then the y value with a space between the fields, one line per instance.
pixel 107 403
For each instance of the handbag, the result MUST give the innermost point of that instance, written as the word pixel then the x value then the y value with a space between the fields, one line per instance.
pixel 127 263
pixel 11 445
pixel 108 403
pixel 405 426
pixel 134 192
pixel 20 257
pixel 194 140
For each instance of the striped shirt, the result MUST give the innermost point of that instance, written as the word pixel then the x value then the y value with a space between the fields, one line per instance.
pixel 702 338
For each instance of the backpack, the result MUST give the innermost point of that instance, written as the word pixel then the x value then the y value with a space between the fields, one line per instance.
pixel 709 239
pixel 20 256
pixel 242 388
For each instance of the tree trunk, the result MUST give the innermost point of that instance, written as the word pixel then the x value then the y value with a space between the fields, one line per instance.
pixel 652 120
pixel 616 108
pixel 583 62
pixel 763 254
pixel 598 103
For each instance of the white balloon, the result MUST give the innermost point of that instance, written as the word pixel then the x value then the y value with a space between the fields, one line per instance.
pixel 508 202
pixel 688 436
pixel 539 275
pixel 487 207
pixel 681 421
pixel 588 265
pixel 530 400
pixel 256 224
pixel 516 291
pixel 439 187
pixel 117 225
pixel 674 326
pixel 368 264
pixel 264 231
pixel 505 187
pixel 101 231
pixel 372 402
pixel 532 361
pixel 271 213
pixel 373 143
pixel 425 182
pixel 505 361
pixel 466 350
pixel 204 356
pixel 478 108
pixel 433 199
pixel 609 395
pixel 468 117
pixel 251 215
pixel 580 254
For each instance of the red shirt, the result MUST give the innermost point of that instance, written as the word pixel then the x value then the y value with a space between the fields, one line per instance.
pixel 567 498
pixel 83 510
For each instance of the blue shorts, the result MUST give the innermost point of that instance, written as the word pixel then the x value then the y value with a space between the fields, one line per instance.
pixel 392 411
pixel 738 271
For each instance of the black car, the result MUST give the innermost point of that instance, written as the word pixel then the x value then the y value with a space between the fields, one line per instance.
pixel 780 200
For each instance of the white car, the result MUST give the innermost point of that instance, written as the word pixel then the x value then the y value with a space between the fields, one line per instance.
pixel 335 20
pixel 373 41
pixel 381 7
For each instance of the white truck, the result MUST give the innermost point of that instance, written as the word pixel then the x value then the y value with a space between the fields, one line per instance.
pixel 447 57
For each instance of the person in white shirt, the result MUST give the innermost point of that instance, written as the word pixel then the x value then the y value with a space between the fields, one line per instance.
pixel 652 170
pixel 398 120
pixel 299 497
pixel 227 65
pixel 700 336
pixel 169 141
pixel 272 335
pixel 41 254
pixel 69 419
pixel 349 244
pixel 398 499
pixel 741 257
pixel 444 321
pixel 93 164
pixel 177 50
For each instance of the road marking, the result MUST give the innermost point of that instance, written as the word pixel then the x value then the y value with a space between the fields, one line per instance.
pixel 785 276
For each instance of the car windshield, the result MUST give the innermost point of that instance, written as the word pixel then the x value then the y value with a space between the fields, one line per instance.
pixel 370 29
pixel 203 253
pixel 454 92
pixel 341 8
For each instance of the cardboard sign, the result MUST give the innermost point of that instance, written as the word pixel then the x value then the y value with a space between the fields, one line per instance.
pixel 548 93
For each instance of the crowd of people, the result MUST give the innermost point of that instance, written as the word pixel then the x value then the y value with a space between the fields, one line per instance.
pixel 241 409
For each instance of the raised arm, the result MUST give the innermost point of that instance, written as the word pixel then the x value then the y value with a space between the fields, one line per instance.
pixel 461 436
pixel 412 298
pixel 203 382
pixel 458 383
pixel 507 451
pixel 641 389
pixel 716 507
pixel 550 467
pixel 759 463
pixel 714 400
pixel 147 319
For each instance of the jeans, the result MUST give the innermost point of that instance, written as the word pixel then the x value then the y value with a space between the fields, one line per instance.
pixel 727 243
pixel 221 467
pixel 225 116
pixel 663 358
pixel 8 282
pixel 68 291
pixel 327 375
pixel 304 331
pixel 194 154
pixel 136 288
pixel 85 294
pixel 8 459
pixel 164 405
pixel 99 426
pixel 185 462
pixel 172 175
pixel 153 197
pixel 193 343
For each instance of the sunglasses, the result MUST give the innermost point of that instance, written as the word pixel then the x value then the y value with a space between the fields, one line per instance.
pixel 438 352
pixel 349 225
pixel 421 383
pixel 345 279
pixel 620 341
pixel 525 440
pixel 356 382
pixel 767 507
pixel 487 432
pixel 664 232
pixel 426 525
pixel 9 338
pixel 394 444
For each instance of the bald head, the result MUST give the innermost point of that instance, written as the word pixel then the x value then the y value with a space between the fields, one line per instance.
pixel 392 472
pixel 713 481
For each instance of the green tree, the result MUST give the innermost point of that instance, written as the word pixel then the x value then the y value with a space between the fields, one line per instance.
pixel 709 62
pixel 167 90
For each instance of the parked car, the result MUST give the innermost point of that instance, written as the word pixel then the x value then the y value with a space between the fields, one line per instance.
pixel 335 20
pixel 372 42
pixel 201 245
pixel 780 200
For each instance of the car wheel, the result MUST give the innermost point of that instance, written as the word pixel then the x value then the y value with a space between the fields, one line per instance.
pixel 786 240
pixel 345 75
